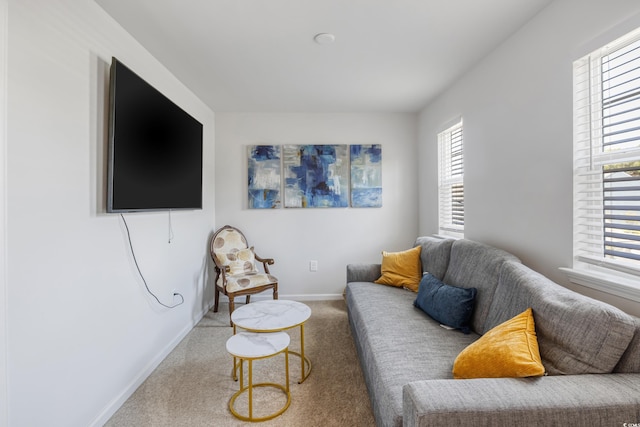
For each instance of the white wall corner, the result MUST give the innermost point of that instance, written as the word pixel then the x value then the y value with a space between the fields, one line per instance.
pixel 4 374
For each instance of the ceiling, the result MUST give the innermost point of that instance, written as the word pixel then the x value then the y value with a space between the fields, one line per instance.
pixel 260 55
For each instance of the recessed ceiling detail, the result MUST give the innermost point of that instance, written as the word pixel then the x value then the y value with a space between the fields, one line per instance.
pixel 324 38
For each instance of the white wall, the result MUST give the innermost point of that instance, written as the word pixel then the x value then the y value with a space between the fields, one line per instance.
pixel 4 9
pixel 333 237
pixel 82 330
pixel 517 111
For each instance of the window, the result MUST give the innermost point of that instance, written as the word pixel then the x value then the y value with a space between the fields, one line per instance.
pixel 450 181
pixel 607 160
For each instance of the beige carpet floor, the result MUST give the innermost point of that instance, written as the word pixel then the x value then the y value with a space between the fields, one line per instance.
pixel 192 386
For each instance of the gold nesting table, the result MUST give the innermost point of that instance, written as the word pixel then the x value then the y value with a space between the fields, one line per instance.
pixel 275 316
pixel 250 346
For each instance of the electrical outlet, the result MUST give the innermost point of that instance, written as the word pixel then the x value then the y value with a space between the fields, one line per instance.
pixel 313 266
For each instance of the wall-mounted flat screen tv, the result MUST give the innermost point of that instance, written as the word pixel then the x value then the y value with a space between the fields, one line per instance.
pixel 155 148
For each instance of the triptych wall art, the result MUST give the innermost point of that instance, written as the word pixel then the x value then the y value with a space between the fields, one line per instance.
pixel 315 176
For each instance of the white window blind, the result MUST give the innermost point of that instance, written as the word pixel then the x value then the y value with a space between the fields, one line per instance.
pixel 607 157
pixel 451 181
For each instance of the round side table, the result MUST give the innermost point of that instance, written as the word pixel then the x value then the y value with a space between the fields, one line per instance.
pixel 275 316
pixel 252 346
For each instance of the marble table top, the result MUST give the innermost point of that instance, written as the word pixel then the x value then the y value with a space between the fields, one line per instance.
pixel 271 315
pixel 253 345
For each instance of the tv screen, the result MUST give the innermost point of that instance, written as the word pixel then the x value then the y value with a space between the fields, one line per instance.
pixel 155 148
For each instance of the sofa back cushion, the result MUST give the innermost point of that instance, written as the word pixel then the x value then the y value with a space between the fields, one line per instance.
pixel 630 360
pixel 476 265
pixel 434 255
pixel 576 334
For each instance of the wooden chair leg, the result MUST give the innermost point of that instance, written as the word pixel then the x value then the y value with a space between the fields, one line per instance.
pixel 275 292
pixel 216 301
pixel 231 308
pixel 248 300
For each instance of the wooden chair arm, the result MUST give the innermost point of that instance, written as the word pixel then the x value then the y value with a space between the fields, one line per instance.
pixel 265 262
pixel 269 261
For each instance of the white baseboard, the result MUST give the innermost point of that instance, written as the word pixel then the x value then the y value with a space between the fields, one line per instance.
pixel 299 297
pixel 119 400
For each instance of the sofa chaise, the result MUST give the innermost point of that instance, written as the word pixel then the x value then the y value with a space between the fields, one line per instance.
pixel 590 350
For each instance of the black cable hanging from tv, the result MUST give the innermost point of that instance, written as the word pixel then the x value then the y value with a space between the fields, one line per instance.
pixel 140 272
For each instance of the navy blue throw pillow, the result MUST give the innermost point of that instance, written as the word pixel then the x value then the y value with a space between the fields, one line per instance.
pixel 449 305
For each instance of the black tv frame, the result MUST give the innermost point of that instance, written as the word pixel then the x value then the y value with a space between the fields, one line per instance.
pixel 160 170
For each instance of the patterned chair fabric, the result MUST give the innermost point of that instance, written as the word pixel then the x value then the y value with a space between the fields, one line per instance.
pixel 236 270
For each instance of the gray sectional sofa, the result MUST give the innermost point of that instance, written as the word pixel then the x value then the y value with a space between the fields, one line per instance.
pixel 590 350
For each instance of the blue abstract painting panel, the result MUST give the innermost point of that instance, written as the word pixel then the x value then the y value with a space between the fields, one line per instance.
pixel 366 176
pixel 316 176
pixel 264 175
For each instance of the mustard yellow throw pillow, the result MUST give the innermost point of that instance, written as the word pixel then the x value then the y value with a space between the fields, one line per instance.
pixel 508 350
pixel 402 269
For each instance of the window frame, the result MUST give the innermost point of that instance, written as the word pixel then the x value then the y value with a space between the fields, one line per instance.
pixel 451 180
pixel 591 266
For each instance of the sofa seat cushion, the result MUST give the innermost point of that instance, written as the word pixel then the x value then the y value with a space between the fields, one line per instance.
pixel 397 344
pixel 576 334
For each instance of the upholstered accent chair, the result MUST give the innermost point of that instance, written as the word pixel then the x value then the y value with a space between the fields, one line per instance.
pixel 236 270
